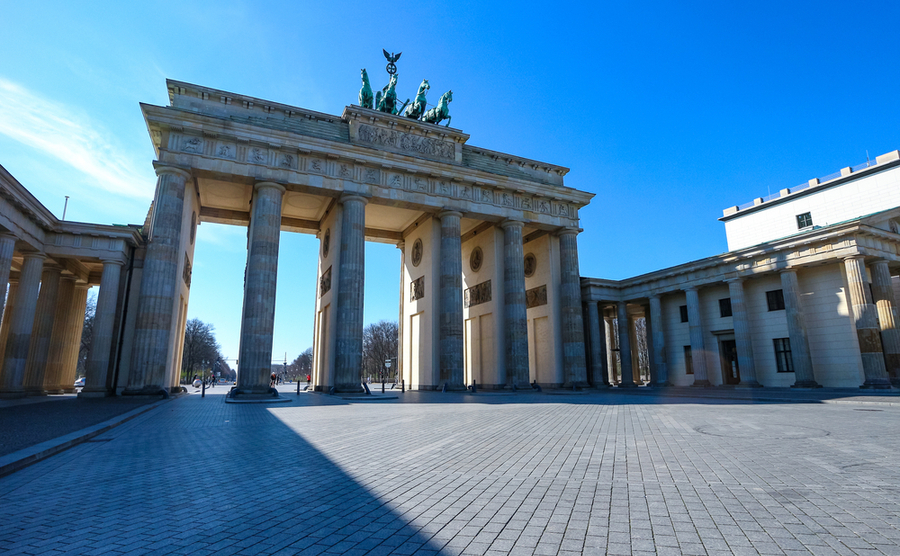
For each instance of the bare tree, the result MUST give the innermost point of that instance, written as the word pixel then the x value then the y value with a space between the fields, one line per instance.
pixel 379 345
pixel 87 334
pixel 200 348
pixel 302 365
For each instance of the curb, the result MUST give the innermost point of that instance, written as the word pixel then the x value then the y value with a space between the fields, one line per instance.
pixel 762 399
pixel 15 461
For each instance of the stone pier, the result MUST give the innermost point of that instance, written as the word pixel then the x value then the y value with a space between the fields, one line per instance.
pixel 800 356
pixel 36 368
pixel 97 382
pixel 599 373
pixel 21 323
pixel 451 306
pixel 883 295
pixel 625 364
pixel 865 318
pixel 59 336
pixel 574 365
pixel 657 343
pixel 698 350
pixel 742 334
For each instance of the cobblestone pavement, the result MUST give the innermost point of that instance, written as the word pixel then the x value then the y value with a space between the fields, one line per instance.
pixel 455 473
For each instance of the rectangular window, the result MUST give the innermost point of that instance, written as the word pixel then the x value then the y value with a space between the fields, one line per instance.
pixel 775 300
pixel 783 361
pixel 804 220
pixel 688 361
pixel 725 307
pixel 683 311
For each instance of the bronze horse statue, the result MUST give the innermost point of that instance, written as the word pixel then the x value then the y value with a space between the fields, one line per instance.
pixel 386 99
pixel 417 108
pixel 440 112
pixel 365 94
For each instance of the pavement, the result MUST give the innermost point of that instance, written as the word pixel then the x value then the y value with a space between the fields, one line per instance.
pixel 668 471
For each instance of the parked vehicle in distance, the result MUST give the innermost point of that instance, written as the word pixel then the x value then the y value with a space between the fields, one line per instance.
pixel 79 383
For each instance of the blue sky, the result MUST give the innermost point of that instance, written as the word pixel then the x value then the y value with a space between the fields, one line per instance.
pixel 668 112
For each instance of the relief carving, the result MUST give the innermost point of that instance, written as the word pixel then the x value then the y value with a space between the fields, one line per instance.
pixel 406 142
pixel 466 192
pixel 486 196
pixel 526 203
pixel 417 250
pixel 395 181
pixel 256 156
pixel 507 200
pixel 371 175
pixel 192 145
pixel 535 297
pixel 544 207
pixel 325 282
pixel 287 161
pixel 346 171
pixel 315 165
pixel 444 188
pixel 417 288
pixel 421 185
pixel 225 151
pixel 564 210
pixel 186 275
pixel 477 294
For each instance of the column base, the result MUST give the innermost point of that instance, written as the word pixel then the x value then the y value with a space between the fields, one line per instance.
pixel 12 394
pixel 349 388
pixel 806 384
pixel 876 384
pixel 35 392
pixel 95 393
pixel 748 384
pixel 702 383
pixel 627 385
pixel 146 392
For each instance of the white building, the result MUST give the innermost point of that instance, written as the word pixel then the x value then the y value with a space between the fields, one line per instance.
pixel 805 297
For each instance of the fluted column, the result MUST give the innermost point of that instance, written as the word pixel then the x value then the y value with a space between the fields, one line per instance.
pixel 59 336
pixel 658 343
pixel 258 315
pixel 96 382
pixel 451 306
pixel 399 370
pixel 574 365
pixel 599 375
pixel 800 357
pixel 7 247
pixel 742 334
pixel 883 295
pixel 159 287
pixel 20 326
pixel 612 343
pixel 45 311
pixel 625 362
pixel 514 312
pixel 350 298
pixel 698 352
pixel 7 311
pixel 865 317
pixel 73 337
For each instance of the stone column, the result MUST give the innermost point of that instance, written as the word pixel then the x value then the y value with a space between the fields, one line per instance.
pixel 73 337
pixel 599 374
pixel 574 366
pixel 399 370
pixel 20 326
pixel 258 315
pixel 59 336
pixel 7 247
pixel 742 334
pixel 613 346
pixel 159 287
pixel 803 369
pixel 7 311
pixel 698 353
pixel 883 295
pixel 351 282
pixel 45 311
pixel 865 316
pixel 658 343
pixel 96 382
pixel 451 306
pixel 516 319
pixel 625 365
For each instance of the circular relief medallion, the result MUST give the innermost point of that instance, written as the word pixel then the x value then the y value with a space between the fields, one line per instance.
pixel 530 265
pixel 475 259
pixel 417 252
pixel 326 242
pixel 193 226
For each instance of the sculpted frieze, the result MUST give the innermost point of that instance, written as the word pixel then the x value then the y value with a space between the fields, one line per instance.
pixel 192 145
pixel 257 155
pixel 408 142
pixel 477 294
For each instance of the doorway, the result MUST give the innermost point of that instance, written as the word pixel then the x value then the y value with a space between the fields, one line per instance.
pixel 731 373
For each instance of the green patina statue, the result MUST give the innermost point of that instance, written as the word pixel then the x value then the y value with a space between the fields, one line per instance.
pixel 441 112
pixel 417 108
pixel 366 99
pixel 386 99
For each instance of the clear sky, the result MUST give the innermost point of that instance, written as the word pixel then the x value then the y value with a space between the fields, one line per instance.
pixel 667 111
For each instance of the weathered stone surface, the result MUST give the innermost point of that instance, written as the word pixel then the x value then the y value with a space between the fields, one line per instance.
pixel 698 350
pixel 883 295
pixel 865 318
pixel 97 382
pixel 45 312
pixel 743 341
pixel 21 323
pixel 800 357
pixel 574 365
pixel 451 303
pixel 514 311
pixel 350 299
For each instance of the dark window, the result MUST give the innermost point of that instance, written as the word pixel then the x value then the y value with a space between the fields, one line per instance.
pixel 775 300
pixel 683 311
pixel 783 361
pixel 804 220
pixel 725 307
pixel 688 361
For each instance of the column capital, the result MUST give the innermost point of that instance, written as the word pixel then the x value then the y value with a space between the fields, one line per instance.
pixel 656 296
pixel 162 169
pixel 690 289
pixel 111 260
pixel 34 255
pixel 567 230
pixel 790 270
pixel 449 212
pixel 263 184
pixel 510 223
pixel 353 197
pixel 8 235
pixel 854 257
pixel 401 245
pixel 735 280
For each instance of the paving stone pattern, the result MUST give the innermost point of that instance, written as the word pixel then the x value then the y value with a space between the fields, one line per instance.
pixel 460 474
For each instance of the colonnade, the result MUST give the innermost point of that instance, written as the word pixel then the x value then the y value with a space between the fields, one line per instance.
pixel 873 312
